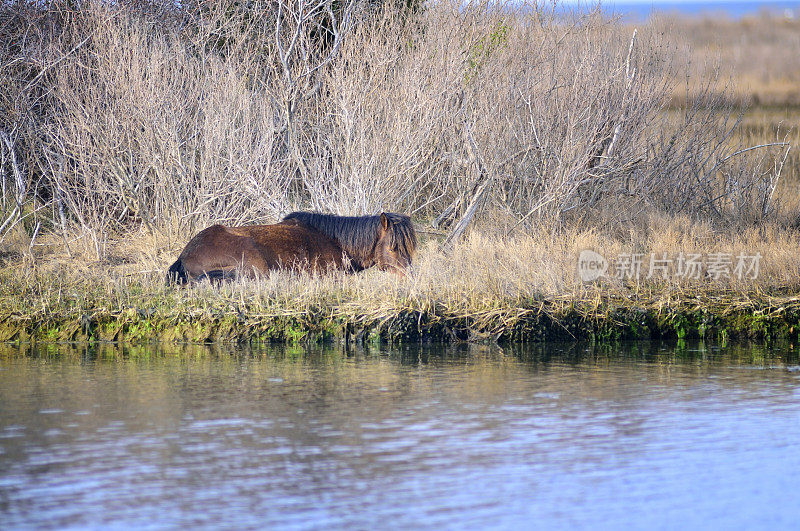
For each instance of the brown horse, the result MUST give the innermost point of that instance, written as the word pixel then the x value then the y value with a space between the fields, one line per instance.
pixel 301 241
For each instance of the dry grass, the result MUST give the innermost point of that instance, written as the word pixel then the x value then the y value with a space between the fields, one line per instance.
pixel 754 63
pixel 487 279
pixel 762 125
pixel 755 59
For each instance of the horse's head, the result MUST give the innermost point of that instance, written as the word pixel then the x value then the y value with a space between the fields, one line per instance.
pixel 396 244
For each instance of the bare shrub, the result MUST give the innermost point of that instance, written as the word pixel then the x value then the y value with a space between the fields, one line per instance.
pixel 146 131
pixel 541 117
pixel 122 116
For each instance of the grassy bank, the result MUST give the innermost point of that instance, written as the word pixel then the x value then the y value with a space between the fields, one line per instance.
pixel 488 288
pixel 717 318
pixel 243 316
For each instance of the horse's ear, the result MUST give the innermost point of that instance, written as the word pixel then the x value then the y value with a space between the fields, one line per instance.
pixel 384 222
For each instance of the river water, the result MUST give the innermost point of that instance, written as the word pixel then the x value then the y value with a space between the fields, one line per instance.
pixel 638 435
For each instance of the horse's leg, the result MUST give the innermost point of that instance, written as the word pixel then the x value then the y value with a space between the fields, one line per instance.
pixel 326 261
pixel 176 273
pixel 217 276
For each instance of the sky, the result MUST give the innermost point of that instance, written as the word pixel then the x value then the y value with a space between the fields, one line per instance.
pixel 656 2
pixel 734 8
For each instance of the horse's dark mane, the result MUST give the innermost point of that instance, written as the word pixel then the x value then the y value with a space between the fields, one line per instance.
pixel 357 235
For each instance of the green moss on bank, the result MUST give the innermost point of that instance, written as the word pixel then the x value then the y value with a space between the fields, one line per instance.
pixel 767 319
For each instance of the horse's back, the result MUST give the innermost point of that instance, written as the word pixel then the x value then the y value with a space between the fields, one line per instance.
pixel 297 244
pixel 220 250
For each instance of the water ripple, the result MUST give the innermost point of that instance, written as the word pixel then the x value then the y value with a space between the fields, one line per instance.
pixel 469 440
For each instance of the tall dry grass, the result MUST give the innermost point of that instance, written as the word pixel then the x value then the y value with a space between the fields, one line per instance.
pixel 755 60
pixel 140 116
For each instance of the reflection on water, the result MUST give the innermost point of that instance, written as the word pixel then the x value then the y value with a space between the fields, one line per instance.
pixel 639 435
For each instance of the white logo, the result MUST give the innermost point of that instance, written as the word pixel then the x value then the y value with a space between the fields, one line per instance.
pixel 591 265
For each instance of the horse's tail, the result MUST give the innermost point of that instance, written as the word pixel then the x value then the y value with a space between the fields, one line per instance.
pixel 177 274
